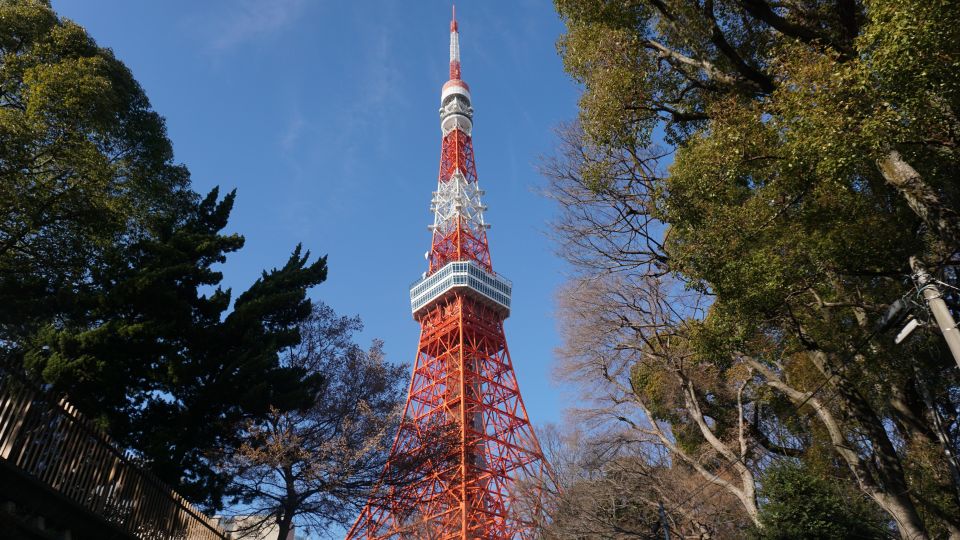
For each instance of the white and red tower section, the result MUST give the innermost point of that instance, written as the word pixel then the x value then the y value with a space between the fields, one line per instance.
pixel 463 385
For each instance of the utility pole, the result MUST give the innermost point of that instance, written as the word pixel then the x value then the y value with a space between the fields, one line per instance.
pixel 931 293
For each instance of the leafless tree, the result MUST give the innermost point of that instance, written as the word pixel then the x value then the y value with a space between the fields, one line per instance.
pixel 317 466
pixel 603 488
pixel 626 348
pixel 606 200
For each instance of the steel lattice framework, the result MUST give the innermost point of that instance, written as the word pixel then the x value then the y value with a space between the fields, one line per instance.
pixel 463 383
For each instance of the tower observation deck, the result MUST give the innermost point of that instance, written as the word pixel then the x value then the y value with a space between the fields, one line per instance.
pixel 465 443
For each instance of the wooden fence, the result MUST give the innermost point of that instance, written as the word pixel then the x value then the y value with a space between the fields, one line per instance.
pixel 55 444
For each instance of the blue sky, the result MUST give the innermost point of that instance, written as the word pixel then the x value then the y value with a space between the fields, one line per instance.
pixel 323 115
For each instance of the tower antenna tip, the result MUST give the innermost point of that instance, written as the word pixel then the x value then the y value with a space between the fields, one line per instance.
pixel 453 20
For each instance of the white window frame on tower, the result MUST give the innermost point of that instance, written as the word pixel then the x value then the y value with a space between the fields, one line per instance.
pixel 468 276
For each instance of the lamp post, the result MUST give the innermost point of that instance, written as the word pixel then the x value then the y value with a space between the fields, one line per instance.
pixel 931 293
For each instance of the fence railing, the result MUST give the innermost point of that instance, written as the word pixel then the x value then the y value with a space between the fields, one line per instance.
pixel 55 444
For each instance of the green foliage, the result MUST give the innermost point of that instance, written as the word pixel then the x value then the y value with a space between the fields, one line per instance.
pixel 108 276
pixel 799 504
pixel 780 205
pixel 84 163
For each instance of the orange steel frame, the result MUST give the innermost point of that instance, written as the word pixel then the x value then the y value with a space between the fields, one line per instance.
pixel 463 379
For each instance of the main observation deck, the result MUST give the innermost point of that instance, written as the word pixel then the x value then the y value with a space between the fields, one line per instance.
pixel 466 276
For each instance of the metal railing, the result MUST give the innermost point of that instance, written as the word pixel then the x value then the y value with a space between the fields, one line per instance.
pixel 53 443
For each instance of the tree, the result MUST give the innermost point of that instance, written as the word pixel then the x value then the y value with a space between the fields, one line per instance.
pixel 107 263
pixel 317 465
pixel 801 504
pixel 607 485
pixel 630 351
pixel 814 152
pixel 84 163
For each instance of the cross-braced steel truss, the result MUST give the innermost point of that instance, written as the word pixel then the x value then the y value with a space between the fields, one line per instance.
pixel 463 378
pixel 465 440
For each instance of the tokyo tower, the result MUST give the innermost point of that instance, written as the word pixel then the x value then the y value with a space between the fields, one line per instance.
pixel 463 380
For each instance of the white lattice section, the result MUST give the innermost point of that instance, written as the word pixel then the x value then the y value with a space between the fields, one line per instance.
pixel 457 198
pixel 454 46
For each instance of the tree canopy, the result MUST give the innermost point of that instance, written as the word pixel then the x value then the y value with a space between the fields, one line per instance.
pixel 801 504
pixel 109 275
pixel 742 195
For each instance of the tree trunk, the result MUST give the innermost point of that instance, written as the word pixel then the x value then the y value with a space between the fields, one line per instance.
pixel 747 493
pixel 887 472
pixel 892 497
pixel 289 504
pixel 908 522
pixel 748 501
pixel 881 478
pixel 283 526
pixel 922 199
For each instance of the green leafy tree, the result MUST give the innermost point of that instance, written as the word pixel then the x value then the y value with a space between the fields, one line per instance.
pixel 801 504
pixel 814 153
pixel 107 263
pixel 85 164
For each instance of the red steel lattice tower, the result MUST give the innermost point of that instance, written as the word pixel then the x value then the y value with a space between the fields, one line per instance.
pixel 463 379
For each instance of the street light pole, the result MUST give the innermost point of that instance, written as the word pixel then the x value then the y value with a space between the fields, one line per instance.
pixel 931 293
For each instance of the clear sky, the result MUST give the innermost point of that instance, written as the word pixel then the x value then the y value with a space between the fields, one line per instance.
pixel 323 114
